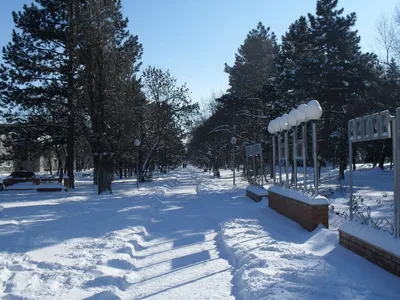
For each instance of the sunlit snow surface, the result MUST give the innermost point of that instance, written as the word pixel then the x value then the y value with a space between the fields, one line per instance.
pixel 185 235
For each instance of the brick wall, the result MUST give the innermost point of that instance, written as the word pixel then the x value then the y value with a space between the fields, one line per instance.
pixel 253 196
pixel 308 216
pixel 374 254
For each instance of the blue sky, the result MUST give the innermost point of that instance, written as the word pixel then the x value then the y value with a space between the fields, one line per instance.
pixel 194 38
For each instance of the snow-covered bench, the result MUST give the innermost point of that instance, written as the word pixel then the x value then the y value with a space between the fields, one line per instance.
pixel 307 211
pixel 256 193
pixel 41 185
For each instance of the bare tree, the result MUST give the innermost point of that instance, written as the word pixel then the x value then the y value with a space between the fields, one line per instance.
pixel 386 35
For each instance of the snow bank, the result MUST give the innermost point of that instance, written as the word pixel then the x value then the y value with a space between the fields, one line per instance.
pixel 318 200
pixel 50 185
pixel 1 211
pixel 22 186
pixel 257 190
pixel 373 236
pixel 273 259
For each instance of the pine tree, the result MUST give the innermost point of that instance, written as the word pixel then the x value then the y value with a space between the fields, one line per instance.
pixel 254 61
pixel 343 69
pixel 37 79
pixel 110 57
pixel 296 67
pixel 247 99
pixel 322 59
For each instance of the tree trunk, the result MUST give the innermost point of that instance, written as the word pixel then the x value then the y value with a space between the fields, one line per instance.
pixel 95 170
pixel 71 95
pixel 382 157
pixel 342 165
pixel 50 165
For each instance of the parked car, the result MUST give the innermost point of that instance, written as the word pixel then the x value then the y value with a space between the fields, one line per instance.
pixel 17 177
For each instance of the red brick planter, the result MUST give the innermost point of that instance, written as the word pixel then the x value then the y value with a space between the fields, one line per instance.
pixel 255 193
pixel 360 240
pixel 306 211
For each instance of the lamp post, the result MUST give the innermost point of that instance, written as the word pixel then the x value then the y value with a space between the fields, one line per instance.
pixel 314 112
pixel 277 122
pixel 271 130
pixel 233 142
pixel 302 118
pixel 209 161
pixel 158 162
pixel 275 126
pixel 283 123
pixel 137 144
pixel 293 123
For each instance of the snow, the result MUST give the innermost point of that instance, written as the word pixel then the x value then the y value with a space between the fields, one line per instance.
pixel 30 186
pixel 317 200
pixel 50 185
pixel 22 186
pixel 373 236
pixel 257 190
pixel 185 235
pixel 372 184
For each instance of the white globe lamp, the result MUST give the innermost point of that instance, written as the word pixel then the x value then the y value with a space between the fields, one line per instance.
pixel 314 110
pixel 302 113
pixel 293 118
pixel 269 128
pixel 277 126
pixel 283 122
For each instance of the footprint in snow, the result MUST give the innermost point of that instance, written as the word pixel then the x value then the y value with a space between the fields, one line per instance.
pixel 252 232
pixel 16 268
pixel 105 295
pixel 13 297
pixel 121 264
pixel 256 273
pixel 118 282
pixel 96 273
pixel 126 250
pixel 48 266
pixel 136 245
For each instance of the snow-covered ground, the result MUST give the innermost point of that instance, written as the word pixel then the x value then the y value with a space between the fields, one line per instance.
pixel 185 235
pixel 373 185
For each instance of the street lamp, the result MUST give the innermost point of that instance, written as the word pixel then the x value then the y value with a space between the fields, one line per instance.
pixel 158 162
pixel 271 130
pixel 137 144
pixel 278 130
pixel 233 142
pixel 302 119
pixel 293 123
pixel 314 112
pixel 284 125
pixel 209 161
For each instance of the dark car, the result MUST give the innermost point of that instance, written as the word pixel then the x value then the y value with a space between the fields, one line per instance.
pixel 17 177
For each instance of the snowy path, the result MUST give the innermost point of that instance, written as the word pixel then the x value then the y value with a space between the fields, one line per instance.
pixel 75 249
pixel 184 236
pixel 181 259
